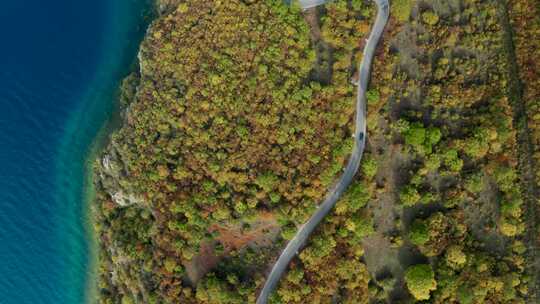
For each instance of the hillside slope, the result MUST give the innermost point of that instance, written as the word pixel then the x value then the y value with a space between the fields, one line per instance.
pixel 240 118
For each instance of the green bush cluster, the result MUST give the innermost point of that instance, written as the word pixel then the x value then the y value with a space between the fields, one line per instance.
pixel 420 280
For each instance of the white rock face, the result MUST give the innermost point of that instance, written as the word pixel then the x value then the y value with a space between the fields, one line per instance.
pixel 110 176
pixel 106 162
pixel 124 200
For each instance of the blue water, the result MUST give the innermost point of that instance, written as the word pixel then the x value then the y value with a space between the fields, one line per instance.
pixel 60 64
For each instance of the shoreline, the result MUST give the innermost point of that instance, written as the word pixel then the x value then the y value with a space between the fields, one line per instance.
pixel 80 197
pixel 89 198
pixel 96 147
pixel 85 134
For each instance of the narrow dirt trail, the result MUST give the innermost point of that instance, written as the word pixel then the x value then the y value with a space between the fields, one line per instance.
pixel 527 165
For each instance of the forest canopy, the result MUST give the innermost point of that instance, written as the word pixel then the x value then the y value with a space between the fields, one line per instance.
pixel 239 118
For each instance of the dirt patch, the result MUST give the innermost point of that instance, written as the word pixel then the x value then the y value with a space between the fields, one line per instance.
pixel 312 18
pixel 259 233
pixel 384 214
pixel 322 70
pixel 380 256
pixel 481 217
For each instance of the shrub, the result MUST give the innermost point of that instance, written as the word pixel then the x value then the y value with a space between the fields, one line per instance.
pixel 170 264
pixel 401 9
pixel 127 300
pixel 508 229
pixel 355 198
pixel 474 183
pixel 409 196
pixel 369 167
pixel 420 138
pixel 419 233
pixel 267 181
pixel 506 178
pixel 373 96
pixel 433 162
pixel 415 135
pixel 420 281
pixel 452 160
pixel 455 257
pixel 430 18
pixel 433 135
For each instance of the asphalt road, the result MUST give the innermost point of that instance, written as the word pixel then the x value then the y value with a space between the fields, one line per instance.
pixel 301 237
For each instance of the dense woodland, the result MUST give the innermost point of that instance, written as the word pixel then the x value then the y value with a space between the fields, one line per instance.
pixel 240 118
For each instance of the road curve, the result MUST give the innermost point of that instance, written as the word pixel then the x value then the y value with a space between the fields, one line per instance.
pixel 301 237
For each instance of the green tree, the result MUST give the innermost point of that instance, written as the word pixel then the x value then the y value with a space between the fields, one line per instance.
pixel 409 196
pixel 419 233
pixel 420 281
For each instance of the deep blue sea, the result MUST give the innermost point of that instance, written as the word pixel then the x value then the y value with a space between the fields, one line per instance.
pixel 60 65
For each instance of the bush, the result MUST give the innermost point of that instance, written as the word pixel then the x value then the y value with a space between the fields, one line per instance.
pixel 373 96
pixel 475 183
pixel 419 233
pixel 369 167
pixel 452 160
pixel 420 138
pixel 267 181
pixel 430 18
pixel 508 229
pixel 415 135
pixel 355 198
pixel 455 257
pixel 409 196
pixel 127 300
pixel 506 178
pixel 420 281
pixel 401 9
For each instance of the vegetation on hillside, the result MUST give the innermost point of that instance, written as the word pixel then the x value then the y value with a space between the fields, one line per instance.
pixel 525 57
pixel 240 119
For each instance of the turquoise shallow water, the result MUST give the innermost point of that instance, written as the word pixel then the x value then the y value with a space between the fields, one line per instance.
pixel 60 64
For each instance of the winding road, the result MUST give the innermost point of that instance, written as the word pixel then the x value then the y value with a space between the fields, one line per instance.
pixel 301 237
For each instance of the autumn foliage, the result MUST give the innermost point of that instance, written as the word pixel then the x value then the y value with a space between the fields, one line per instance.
pixel 240 119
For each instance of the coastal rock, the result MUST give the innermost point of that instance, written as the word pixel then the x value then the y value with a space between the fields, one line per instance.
pixel 111 178
pixel 165 6
pixel 124 199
